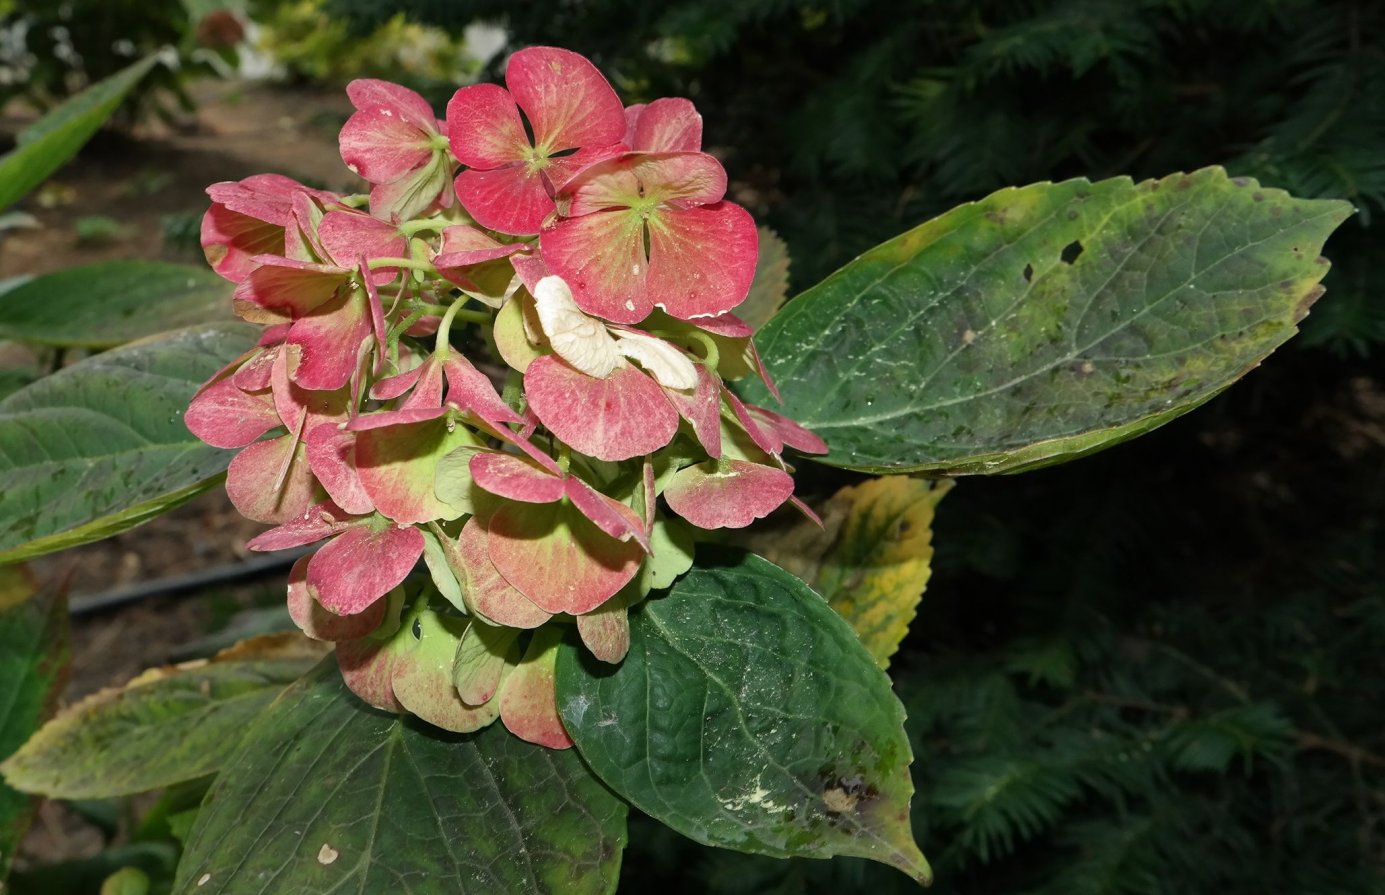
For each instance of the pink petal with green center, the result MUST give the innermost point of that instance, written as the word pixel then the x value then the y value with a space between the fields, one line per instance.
pixel 224 416
pixel 608 514
pixel 383 146
pixel 319 624
pixel 506 475
pixel 367 668
pixel 422 676
pixel 765 437
pixel 702 409
pixel 231 240
pixel 470 389
pixel 807 511
pixel 643 179
pixel 291 287
pixel 528 700
pixel 391 387
pixel 671 124
pixel 521 441
pixel 727 493
pixel 464 247
pixel 373 93
pixel 617 418
pixel 565 169
pixel 427 393
pixel 728 326
pixel 418 193
pixel 398 467
pixel 508 200
pixel 312 525
pixel 606 630
pixel 362 564
pixel 384 418
pixel 484 128
pixel 557 558
pixel 332 458
pixel 487 592
pixel 378 328
pixel 701 260
pixel 270 481
pixel 567 101
pixel 297 406
pixel 481 661
pixel 331 341
pixel 256 374
pixel 788 431
pixel 266 197
pixel 351 236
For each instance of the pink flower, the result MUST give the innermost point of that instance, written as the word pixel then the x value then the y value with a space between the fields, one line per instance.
pixel 569 106
pixel 671 124
pixel 648 230
pixel 248 218
pixel 394 142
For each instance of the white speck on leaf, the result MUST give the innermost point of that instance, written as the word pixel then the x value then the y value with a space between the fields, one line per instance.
pixel 206 878
pixel 326 854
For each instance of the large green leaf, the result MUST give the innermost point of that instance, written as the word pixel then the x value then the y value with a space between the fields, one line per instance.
pixel 100 446
pixel 747 715
pixel 46 145
pixel 33 655
pixel 329 795
pixel 108 304
pixel 166 726
pixel 1046 322
pixel 870 556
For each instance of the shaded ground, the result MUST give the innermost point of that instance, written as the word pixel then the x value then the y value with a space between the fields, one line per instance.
pixel 150 184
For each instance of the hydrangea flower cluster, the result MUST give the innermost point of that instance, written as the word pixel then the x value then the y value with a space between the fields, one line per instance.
pixel 585 254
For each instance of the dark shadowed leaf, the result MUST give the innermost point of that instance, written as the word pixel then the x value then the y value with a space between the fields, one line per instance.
pixel 1046 322
pixel 107 304
pixel 33 656
pixel 100 446
pixel 166 726
pixel 747 715
pixel 329 795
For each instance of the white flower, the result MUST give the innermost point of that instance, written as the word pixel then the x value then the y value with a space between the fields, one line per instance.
pixel 586 343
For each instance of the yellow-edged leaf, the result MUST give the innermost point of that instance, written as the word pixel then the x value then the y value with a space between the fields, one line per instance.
pixel 871 559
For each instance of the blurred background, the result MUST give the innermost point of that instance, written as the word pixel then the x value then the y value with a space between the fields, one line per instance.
pixel 1157 670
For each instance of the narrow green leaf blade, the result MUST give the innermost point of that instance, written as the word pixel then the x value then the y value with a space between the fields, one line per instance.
pixel 108 304
pixel 167 726
pixel 329 795
pixel 747 715
pixel 1046 322
pixel 50 142
pixel 33 657
pixel 100 446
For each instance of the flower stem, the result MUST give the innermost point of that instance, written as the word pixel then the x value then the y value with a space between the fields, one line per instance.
pixel 410 263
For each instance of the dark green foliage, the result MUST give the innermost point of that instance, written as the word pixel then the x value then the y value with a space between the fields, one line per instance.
pixel 849 121
pixel 62 46
pixel 1154 671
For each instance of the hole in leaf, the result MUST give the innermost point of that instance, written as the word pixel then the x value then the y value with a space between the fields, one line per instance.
pixel 1029 273
pixel 417 629
pixel 1070 252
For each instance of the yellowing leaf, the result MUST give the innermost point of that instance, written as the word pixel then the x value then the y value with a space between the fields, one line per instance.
pixel 871 560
